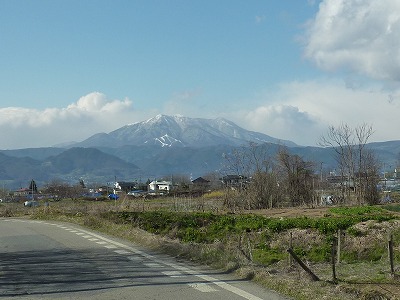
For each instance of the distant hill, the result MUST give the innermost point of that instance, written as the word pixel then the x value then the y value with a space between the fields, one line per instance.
pixel 16 172
pixel 160 147
pixel 71 165
pixel 84 160
pixel 35 153
pixel 155 161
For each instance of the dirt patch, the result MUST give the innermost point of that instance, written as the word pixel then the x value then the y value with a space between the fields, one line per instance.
pixel 292 212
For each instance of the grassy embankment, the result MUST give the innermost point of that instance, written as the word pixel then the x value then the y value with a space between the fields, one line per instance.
pixel 254 246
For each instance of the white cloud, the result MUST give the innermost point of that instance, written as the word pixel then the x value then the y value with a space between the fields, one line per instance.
pixel 296 111
pixel 93 113
pixel 283 121
pixel 97 103
pixel 302 111
pixel 359 36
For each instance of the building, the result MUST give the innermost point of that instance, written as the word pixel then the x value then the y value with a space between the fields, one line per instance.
pixel 125 186
pixel 157 186
pixel 234 181
pixel 200 182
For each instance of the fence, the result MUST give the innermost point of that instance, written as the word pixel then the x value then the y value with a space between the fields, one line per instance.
pixel 336 254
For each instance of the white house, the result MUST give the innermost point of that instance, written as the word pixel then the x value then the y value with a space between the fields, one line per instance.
pixel 160 186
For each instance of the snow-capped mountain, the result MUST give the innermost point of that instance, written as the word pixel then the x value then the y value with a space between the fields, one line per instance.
pixel 172 131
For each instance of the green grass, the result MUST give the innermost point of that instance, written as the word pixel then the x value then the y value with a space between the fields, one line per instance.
pixel 267 256
pixel 357 210
pixel 206 227
pixel 394 208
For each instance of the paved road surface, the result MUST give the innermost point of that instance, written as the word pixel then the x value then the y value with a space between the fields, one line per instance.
pixel 51 260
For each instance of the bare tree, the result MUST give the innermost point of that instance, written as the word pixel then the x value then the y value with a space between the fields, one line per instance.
pixel 214 179
pixel 59 189
pixel 369 178
pixel 357 165
pixel 235 162
pixel 261 189
pixel 341 139
pixel 297 177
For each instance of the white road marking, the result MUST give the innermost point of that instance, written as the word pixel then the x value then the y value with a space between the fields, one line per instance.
pixel 202 287
pixel 122 251
pixel 153 265
pixel 101 243
pixel 134 258
pixel 173 273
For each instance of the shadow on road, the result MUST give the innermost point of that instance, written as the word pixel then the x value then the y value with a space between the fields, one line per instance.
pixel 59 272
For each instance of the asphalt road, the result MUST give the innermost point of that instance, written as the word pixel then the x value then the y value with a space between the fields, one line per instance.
pixel 51 260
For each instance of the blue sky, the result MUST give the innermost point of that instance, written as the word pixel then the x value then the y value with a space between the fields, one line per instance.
pixel 289 69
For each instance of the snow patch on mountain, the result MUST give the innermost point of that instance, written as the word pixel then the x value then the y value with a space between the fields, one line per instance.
pixel 166 141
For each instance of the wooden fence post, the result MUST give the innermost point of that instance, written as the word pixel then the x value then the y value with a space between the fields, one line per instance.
pixel 290 247
pixel 298 260
pixel 249 245
pixel 391 256
pixel 333 255
pixel 339 245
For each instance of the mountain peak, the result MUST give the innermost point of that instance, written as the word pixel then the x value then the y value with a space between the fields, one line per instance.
pixel 163 118
pixel 177 130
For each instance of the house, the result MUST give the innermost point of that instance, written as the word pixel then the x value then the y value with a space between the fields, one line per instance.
pixel 234 181
pixel 125 186
pixel 160 186
pixel 200 183
pixel 22 192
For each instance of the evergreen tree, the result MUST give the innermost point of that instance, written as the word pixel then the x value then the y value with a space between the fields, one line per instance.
pixel 32 186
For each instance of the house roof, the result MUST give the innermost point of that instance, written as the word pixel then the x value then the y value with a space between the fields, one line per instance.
pixel 234 177
pixel 162 182
pixel 200 180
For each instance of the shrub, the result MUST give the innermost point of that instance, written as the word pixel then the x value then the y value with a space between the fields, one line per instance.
pixel 267 256
pixel 354 232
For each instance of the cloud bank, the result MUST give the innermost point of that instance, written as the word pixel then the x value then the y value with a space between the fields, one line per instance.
pixel 93 113
pixel 302 111
pixel 358 36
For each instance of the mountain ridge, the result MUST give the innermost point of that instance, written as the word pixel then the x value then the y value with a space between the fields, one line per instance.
pixel 179 131
pixel 159 147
